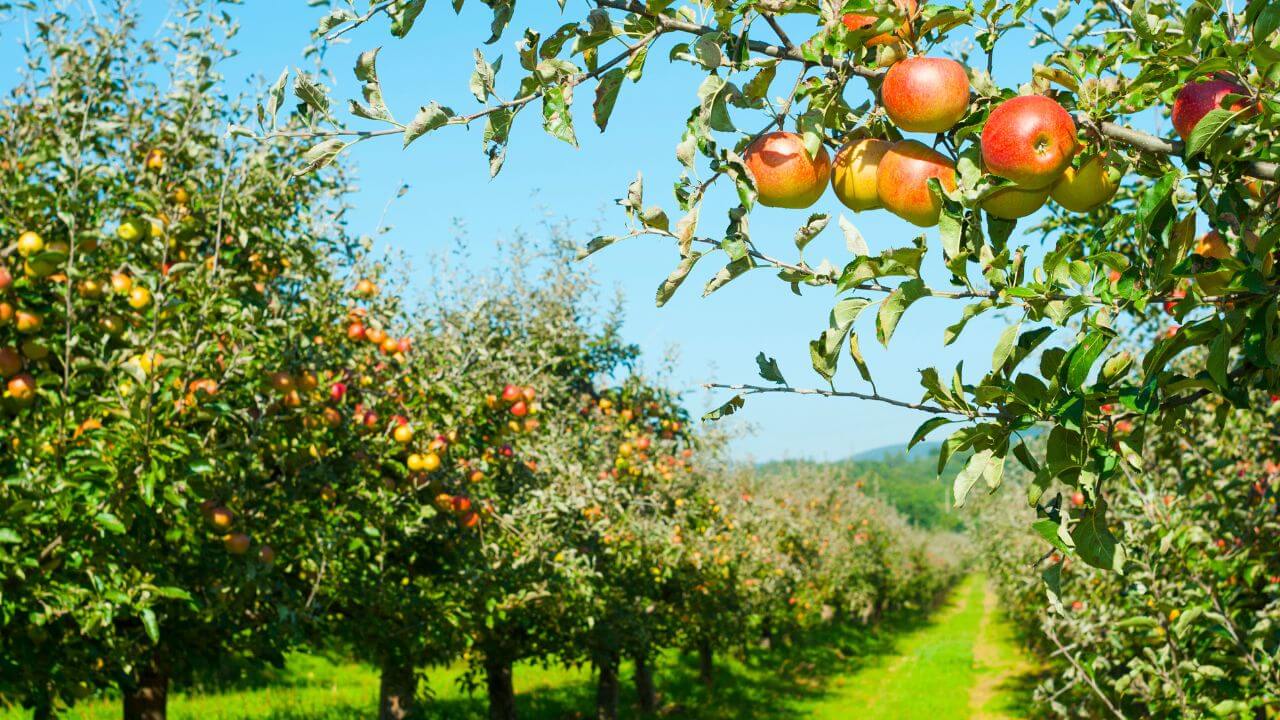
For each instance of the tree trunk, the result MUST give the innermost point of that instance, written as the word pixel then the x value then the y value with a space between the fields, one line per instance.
pixel 44 711
pixel 607 689
pixel 502 692
pixel 397 691
pixel 647 696
pixel 148 700
pixel 706 662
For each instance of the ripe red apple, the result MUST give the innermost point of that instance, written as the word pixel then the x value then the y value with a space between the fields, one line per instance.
pixel 853 176
pixel 1030 140
pixel 902 181
pixel 784 174
pixel 355 331
pixel 10 362
pixel 1197 99
pixel 1012 202
pixel 520 409
pixel 1094 183
pixel 22 389
pixel 236 543
pixel 337 391
pixel 855 21
pixel 1077 499
pixel 511 393
pixel 923 94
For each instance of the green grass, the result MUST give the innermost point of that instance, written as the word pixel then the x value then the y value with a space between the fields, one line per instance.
pixel 957 663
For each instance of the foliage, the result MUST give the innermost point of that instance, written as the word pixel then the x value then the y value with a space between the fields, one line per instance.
pixel 1103 271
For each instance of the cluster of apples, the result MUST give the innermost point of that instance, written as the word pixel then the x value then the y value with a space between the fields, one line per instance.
pixel 1029 141
pixel 222 521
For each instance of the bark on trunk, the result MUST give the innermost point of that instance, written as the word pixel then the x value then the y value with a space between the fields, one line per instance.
pixel 43 711
pixel 502 692
pixel 646 695
pixel 706 662
pixel 397 691
pixel 607 689
pixel 148 700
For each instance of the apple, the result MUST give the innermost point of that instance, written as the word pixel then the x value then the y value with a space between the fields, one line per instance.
pixel 857 21
pixel 902 182
pixel 1084 189
pixel 511 393
pixel 331 417
pixel 403 434
pixel 1012 202
pixel 853 175
pixel 461 504
pixel 1212 245
pixel 22 389
pixel 365 289
pixel 132 229
pixel 30 243
pixel 10 362
pixel 1197 99
pixel 221 518
pixel 923 94
pixel 355 331
pixel 375 335
pixel 528 394
pixel 1077 499
pixel 27 322
pixel 89 289
pixel 236 543
pixel 121 284
pixel 306 381
pixel 469 519
pixel 139 297
pixel 155 160
pixel 266 555
pixel 281 382
pixel 6 279
pixel 520 409
pixel 337 391
pixel 1030 140
pixel 784 173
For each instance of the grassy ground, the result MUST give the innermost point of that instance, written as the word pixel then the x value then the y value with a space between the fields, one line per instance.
pixel 957 663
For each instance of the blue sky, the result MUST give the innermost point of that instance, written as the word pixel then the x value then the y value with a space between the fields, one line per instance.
pixel 716 338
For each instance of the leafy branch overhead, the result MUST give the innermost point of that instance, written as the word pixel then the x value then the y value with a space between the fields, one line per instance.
pixel 1154 248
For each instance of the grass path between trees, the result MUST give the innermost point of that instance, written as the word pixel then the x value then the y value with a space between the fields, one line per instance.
pixel 958 663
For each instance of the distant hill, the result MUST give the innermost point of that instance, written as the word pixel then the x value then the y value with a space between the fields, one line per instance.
pixel 908 481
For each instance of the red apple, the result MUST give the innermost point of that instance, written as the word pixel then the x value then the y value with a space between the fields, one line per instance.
pixel 902 182
pixel 784 173
pixel 10 362
pixel 923 94
pixel 511 393
pixel 1197 99
pixel 1030 140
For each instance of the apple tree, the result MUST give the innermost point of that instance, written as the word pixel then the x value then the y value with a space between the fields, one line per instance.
pixel 896 107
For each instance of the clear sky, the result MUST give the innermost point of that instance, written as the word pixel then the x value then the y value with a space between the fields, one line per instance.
pixel 716 337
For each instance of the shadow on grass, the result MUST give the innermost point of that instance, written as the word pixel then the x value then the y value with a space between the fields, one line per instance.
pixel 762 684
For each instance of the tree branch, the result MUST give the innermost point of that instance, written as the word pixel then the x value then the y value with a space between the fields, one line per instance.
pixel 1134 138
pixel 875 397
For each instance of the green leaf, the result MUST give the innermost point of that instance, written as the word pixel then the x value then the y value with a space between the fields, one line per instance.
pixel 596 244
pixel 676 278
pixel 311 93
pixel 734 405
pixel 856 353
pixel 769 369
pixel 925 428
pixel 1004 347
pixel 895 305
pixel 969 476
pixel 9 536
pixel 606 96
pixel 150 625
pixel 320 155
pixel 557 119
pixel 853 240
pixel 1051 532
pixel 1094 542
pixel 430 117
pixel 813 227
pixel 111 523
pixel 1209 128
pixel 275 96
pixel 1081 358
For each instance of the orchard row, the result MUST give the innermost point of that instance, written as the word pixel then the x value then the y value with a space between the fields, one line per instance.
pixel 226 435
